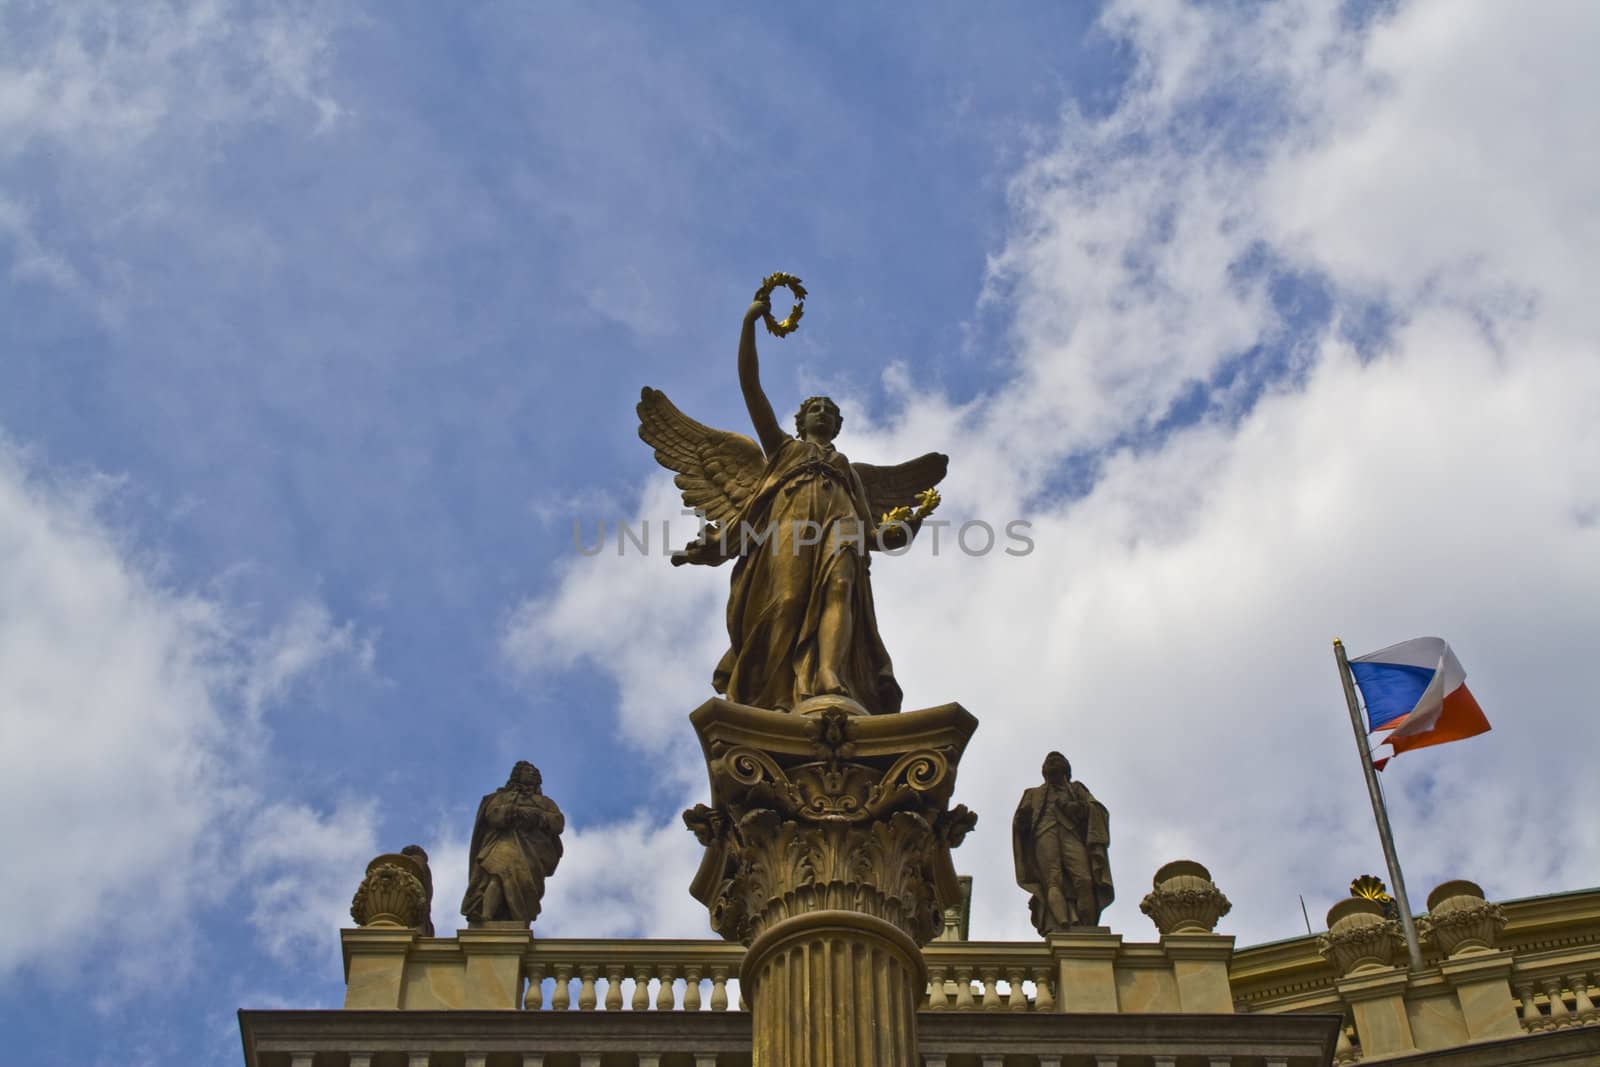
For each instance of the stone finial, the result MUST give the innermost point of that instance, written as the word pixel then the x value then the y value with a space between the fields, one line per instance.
pixel 1185 900
pixel 392 894
pixel 1360 935
pixel 1460 920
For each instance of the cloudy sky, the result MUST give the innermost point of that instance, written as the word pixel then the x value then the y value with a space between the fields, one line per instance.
pixel 322 324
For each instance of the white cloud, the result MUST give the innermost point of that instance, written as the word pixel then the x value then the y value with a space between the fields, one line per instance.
pixel 129 792
pixel 1171 632
pixel 113 94
pixel 100 79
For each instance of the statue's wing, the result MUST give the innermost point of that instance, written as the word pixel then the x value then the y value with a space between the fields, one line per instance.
pixel 717 470
pixel 891 487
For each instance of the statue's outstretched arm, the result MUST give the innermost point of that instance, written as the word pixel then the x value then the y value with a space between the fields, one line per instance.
pixel 768 431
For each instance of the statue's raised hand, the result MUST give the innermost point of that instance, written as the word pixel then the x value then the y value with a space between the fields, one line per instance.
pixel 759 308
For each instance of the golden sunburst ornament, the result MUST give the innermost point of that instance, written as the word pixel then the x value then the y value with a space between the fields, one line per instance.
pixel 1370 887
pixel 790 282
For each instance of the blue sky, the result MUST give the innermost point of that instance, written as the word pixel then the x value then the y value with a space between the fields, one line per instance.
pixel 319 327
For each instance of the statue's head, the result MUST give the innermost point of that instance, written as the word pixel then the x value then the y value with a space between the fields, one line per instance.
pixel 1056 768
pixel 416 853
pixel 818 419
pixel 525 776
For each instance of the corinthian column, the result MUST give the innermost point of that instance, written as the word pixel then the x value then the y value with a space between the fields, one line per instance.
pixel 828 846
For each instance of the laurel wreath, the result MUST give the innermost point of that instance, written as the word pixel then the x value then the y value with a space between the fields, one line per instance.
pixel 790 282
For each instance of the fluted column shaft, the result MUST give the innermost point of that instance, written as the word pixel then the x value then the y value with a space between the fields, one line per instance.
pixel 811 977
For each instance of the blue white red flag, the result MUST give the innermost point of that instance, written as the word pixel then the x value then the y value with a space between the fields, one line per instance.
pixel 1416 693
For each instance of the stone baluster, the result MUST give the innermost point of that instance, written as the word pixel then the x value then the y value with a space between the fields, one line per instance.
pixel 561 995
pixel 691 989
pixel 1531 1019
pixel 719 989
pixel 360 1059
pixel 1559 1015
pixel 990 978
pixel 937 1000
pixel 418 1059
pixel 1018 1000
pixel 964 989
pixel 477 1059
pixel 586 991
pixel 533 999
pixel 641 988
pixel 614 987
pixel 665 1000
pixel 1584 1010
pixel 1044 998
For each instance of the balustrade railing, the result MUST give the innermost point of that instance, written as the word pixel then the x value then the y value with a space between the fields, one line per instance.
pixel 989 976
pixel 631 976
pixel 698 976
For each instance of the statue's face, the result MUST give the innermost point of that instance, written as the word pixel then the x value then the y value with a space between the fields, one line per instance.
pixel 526 776
pixel 1057 771
pixel 819 420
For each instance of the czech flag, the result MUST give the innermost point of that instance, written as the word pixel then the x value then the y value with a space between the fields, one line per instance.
pixel 1417 692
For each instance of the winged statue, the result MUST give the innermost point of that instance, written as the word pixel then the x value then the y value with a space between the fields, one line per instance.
pixel 799 521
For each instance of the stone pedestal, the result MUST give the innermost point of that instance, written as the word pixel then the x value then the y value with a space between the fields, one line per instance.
pixel 828 844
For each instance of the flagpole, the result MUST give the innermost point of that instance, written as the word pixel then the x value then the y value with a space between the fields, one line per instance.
pixel 1379 811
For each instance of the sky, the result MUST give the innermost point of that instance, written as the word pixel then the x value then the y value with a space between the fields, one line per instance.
pixel 321 328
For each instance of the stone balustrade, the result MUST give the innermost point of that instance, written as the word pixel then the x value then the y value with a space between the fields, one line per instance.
pixel 596 975
pixel 506 968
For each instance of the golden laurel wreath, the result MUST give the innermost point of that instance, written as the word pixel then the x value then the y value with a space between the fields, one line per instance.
pixel 790 282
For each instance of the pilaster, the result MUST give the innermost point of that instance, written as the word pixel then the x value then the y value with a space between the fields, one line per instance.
pixel 1376 997
pixel 375 965
pixel 493 954
pixel 1200 965
pixel 1086 970
pixel 1482 983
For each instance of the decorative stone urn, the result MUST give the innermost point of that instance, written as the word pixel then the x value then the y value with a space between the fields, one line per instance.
pixel 1360 936
pixel 1185 900
pixel 1460 920
pixel 828 844
pixel 392 894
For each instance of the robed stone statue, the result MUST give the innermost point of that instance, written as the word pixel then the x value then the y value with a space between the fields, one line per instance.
pixel 1059 839
pixel 799 520
pixel 516 844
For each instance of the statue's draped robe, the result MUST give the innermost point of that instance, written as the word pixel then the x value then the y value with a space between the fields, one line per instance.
pixel 508 846
pixel 775 607
pixel 1082 848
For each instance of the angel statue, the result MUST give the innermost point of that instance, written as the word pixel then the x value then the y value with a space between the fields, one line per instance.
pixel 798 519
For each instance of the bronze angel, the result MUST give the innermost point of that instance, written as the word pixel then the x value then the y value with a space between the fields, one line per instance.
pixel 798 519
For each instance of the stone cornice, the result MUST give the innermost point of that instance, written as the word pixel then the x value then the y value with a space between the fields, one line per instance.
pixel 1299 1039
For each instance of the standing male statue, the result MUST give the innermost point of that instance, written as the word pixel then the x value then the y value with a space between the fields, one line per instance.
pixel 1059 839
pixel 516 844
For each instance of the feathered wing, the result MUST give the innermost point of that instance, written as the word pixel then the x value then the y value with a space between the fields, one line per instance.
pixel 891 487
pixel 717 470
